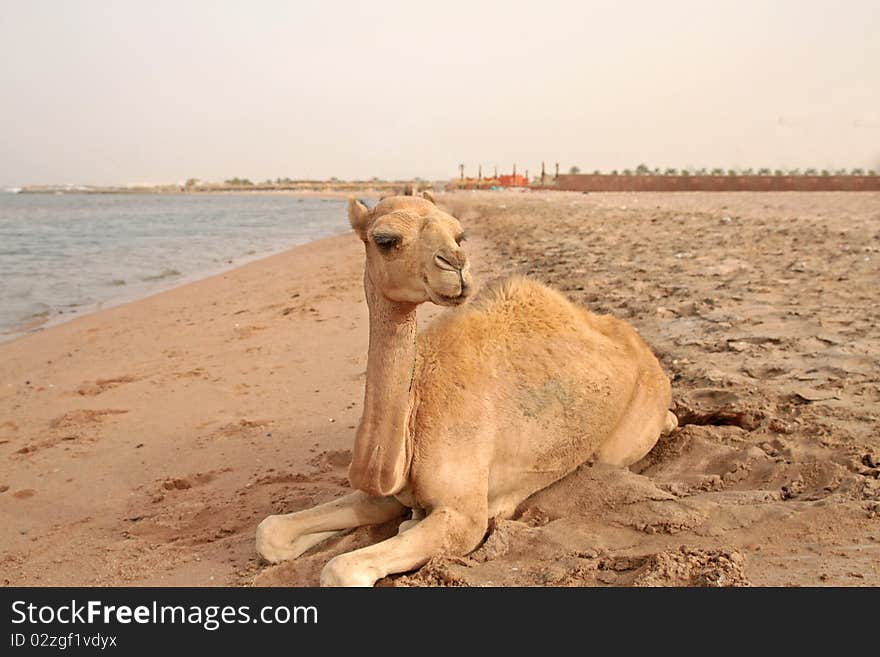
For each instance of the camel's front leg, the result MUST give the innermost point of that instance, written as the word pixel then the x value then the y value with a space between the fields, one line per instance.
pixel 287 536
pixel 443 531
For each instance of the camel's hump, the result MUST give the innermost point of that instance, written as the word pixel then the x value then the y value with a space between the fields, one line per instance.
pixel 520 305
pixel 519 291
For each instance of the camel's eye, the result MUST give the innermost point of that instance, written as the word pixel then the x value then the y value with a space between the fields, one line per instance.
pixel 461 238
pixel 385 241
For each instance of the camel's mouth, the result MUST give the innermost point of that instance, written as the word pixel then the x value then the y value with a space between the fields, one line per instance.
pixel 445 300
pixel 462 288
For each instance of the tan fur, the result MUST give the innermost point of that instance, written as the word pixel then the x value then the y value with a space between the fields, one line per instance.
pixel 494 401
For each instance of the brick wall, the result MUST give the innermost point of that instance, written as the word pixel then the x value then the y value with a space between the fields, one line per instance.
pixel 609 183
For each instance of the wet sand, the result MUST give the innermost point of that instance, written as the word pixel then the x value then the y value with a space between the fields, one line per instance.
pixel 142 444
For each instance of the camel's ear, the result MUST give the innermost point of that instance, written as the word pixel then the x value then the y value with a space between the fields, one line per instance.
pixel 358 213
pixel 428 196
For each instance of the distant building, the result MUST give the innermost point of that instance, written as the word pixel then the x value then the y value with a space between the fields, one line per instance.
pixel 513 181
pixel 488 183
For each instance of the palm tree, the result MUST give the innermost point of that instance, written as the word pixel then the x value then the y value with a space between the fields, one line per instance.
pixel 717 171
pixel 627 172
pixel 779 172
pixel 826 172
pixel 671 171
pixel 810 172
pixel 857 172
pixel 574 171
pixel 763 171
pixel 642 170
pixel 732 172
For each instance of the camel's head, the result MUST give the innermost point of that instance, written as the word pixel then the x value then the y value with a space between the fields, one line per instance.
pixel 414 250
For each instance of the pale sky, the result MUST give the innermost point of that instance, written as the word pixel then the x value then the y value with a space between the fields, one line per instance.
pixel 120 92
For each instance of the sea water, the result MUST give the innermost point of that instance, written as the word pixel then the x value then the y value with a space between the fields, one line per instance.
pixel 65 254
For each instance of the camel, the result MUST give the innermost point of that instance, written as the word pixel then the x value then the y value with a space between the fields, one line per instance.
pixel 497 399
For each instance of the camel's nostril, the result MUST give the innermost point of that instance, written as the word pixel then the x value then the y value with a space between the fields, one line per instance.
pixel 443 263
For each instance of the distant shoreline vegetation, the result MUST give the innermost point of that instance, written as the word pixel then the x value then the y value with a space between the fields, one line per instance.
pixel 645 170
pixel 646 179
pixel 237 184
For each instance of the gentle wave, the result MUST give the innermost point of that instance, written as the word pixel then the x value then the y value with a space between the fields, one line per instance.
pixel 166 273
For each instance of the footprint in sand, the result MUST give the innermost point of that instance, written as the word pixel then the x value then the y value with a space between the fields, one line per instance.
pixel 192 480
pixel 24 493
pixel 332 459
pixel 94 388
pixel 9 426
pixel 243 428
pixel 245 332
pixel 72 425
pixel 329 468
pixel 8 430
pixel 83 416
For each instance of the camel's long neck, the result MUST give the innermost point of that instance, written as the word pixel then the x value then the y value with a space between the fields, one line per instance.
pixel 380 462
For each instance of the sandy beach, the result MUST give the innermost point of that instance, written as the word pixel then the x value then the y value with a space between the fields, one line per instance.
pixel 142 444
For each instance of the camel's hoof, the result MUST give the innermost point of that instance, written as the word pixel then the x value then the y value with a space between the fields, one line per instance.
pixel 273 542
pixel 340 572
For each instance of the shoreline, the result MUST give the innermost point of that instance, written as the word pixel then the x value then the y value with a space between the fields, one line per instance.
pixel 58 319
pixel 50 318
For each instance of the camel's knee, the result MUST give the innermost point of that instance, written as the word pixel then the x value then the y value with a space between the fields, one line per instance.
pixel 463 532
